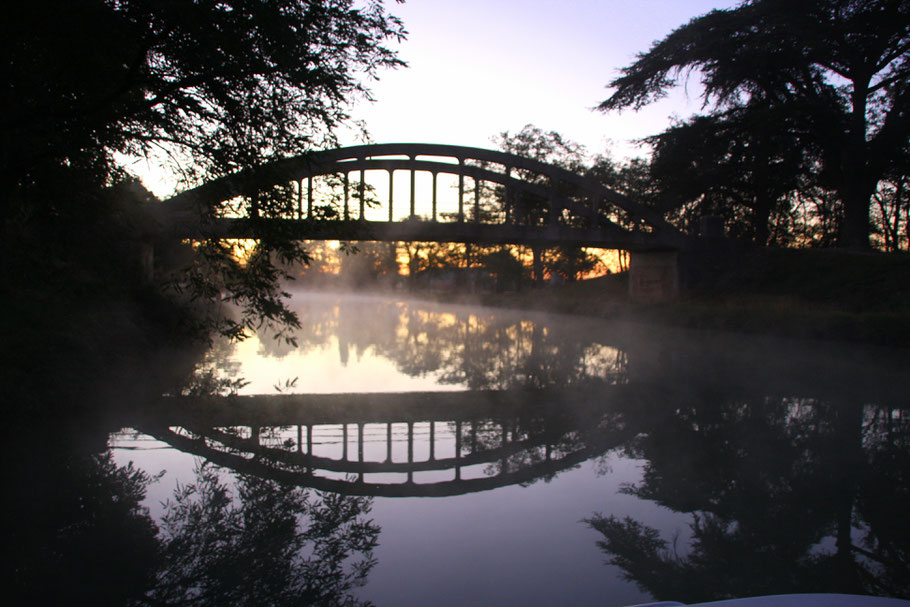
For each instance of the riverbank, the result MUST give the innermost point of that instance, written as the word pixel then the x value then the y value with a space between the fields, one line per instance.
pixel 813 294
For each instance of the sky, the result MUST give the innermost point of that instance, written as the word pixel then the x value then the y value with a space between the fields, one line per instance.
pixel 477 68
pixel 480 67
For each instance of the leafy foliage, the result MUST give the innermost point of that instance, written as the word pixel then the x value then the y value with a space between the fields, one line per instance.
pixel 552 148
pixel 230 83
pixel 83 527
pixel 784 497
pixel 268 545
pixel 836 72
pixel 218 86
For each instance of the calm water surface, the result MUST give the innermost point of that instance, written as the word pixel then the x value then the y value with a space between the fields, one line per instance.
pixel 407 453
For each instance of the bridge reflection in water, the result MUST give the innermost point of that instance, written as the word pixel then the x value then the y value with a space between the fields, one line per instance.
pixel 395 444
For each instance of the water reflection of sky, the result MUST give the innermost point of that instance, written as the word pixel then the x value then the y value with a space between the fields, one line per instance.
pixel 714 443
pixel 350 344
pixel 512 546
pixel 323 370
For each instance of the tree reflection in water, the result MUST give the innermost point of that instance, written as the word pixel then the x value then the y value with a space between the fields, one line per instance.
pixel 78 536
pixel 792 459
pixel 481 349
pixel 793 463
pixel 786 495
pixel 83 536
pixel 273 545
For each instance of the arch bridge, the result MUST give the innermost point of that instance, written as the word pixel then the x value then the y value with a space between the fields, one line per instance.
pixel 500 198
pixel 394 445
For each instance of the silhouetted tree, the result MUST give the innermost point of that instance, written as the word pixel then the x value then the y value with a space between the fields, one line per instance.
pixel 219 86
pixel 630 177
pixel 231 83
pixel 79 534
pixel 570 263
pixel 839 70
pixel 544 146
pixel 766 482
pixel 891 210
pixel 507 269
pixel 274 545
pixel 740 164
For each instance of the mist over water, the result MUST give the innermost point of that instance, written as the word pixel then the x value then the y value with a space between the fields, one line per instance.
pixel 356 343
pixel 451 455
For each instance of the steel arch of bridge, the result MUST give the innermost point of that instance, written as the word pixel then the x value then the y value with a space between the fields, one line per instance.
pixel 586 217
pixel 529 435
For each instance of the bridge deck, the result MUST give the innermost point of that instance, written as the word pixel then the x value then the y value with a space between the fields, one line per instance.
pixel 366 408
pixel 433 231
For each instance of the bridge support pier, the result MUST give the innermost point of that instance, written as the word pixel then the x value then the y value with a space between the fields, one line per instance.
pixel 653 276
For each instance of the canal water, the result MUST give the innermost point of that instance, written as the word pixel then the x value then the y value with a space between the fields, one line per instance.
pixel 412 453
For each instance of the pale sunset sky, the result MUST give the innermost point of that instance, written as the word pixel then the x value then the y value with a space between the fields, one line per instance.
pixel 480 67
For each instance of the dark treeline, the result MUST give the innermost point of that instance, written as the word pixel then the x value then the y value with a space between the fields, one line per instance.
pixel 447 266
pixel 804 139
pixel 786 495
